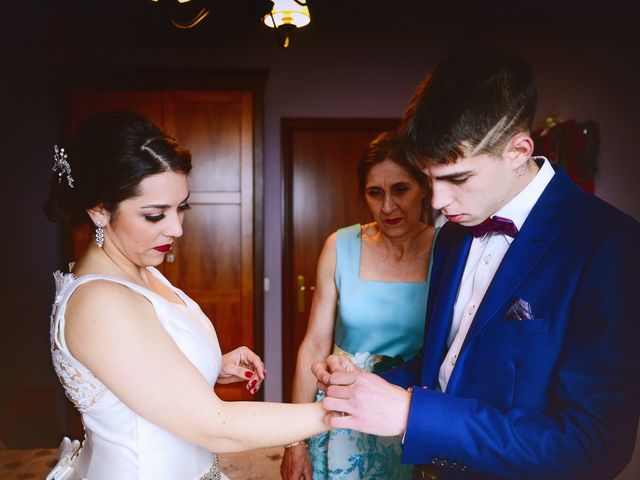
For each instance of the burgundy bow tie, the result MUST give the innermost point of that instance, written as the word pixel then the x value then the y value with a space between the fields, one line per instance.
pixel 495 224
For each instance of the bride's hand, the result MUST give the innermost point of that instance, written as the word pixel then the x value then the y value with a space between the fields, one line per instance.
pixel 242 365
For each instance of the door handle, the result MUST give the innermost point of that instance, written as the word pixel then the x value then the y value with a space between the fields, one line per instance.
pixel 301 289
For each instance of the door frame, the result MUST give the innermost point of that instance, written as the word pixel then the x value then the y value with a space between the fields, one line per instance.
pixel 290 126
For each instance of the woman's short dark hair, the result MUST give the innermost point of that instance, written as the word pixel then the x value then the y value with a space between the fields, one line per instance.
pixel 388 146
pixel 111 153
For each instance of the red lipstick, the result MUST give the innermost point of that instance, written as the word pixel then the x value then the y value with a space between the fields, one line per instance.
pixel 163 248
pixel 393 221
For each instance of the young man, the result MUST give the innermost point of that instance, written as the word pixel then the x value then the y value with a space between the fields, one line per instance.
pixel 529 367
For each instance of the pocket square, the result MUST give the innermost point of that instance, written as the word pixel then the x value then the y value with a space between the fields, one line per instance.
pixel 520 310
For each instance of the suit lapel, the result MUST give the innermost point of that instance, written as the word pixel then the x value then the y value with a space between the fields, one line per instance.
pixel 446 275
pixel 542 225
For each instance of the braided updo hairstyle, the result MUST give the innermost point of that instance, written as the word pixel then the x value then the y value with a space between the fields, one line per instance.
pixel 111 153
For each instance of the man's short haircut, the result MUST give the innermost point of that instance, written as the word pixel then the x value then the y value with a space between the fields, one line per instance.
pixel 473 102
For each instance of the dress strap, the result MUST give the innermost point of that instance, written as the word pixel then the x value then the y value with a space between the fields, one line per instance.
pixel 348 250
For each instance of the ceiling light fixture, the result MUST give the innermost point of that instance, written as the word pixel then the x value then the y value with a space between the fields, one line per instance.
pixel 286 16
pixel 197 17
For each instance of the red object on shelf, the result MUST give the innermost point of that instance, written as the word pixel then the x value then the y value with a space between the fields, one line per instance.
pixel 574 145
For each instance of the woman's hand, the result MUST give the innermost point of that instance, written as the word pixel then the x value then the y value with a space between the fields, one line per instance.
pixel 333 363
pixel 242 365
pixel 296 463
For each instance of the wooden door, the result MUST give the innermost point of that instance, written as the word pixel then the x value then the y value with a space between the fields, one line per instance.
pixel 213 261
pixel 214 258
pixel 321 195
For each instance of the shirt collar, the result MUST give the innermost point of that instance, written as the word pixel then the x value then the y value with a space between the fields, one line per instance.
pixel 519 207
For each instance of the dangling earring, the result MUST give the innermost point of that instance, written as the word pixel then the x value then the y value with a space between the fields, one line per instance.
pixel 99 235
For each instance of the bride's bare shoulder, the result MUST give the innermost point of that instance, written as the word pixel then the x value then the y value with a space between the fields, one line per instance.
pixel 101 312
pixel 100 291
pixel 104 301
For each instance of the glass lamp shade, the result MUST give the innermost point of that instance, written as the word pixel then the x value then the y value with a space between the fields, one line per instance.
pixel 287 12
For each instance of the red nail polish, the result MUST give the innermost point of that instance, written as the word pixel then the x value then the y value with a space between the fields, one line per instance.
pixel 253 383
pixel 248 374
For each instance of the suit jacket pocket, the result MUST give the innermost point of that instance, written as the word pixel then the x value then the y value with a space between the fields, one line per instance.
pixel 534 325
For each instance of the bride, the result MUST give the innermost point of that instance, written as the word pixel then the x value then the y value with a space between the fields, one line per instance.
pixel 137 357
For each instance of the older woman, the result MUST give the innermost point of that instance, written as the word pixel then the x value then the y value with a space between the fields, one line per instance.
pixel 369 305
pixel 138 357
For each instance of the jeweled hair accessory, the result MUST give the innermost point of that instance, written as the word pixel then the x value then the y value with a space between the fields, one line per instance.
pixel 61 165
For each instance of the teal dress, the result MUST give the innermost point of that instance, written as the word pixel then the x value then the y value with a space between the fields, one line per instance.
pixel 378 324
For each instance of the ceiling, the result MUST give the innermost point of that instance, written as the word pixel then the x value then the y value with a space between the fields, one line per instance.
pixel 146 22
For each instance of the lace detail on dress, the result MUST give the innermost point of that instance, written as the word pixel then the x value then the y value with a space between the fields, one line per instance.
pixel 214 472
pixel 80 386
pixel 63 280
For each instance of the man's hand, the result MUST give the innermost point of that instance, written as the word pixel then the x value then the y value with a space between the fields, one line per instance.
pixel 365 402
pixel 296 463
pixel 333 363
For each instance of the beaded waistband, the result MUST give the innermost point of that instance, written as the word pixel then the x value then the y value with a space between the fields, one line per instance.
pixel 214 472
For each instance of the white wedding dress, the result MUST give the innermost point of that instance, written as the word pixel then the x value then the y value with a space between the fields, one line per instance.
pixel 119 444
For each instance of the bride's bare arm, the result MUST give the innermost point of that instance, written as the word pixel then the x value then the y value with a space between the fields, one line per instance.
pixel 116 334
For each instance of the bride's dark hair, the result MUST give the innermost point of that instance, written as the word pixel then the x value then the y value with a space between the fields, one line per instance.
pixel 111 153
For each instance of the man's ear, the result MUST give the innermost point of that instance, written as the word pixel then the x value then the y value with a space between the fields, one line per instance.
pixel 519 150
pixel 99 215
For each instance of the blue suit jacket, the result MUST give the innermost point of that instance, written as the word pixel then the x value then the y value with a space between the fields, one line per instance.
pixel 556 396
